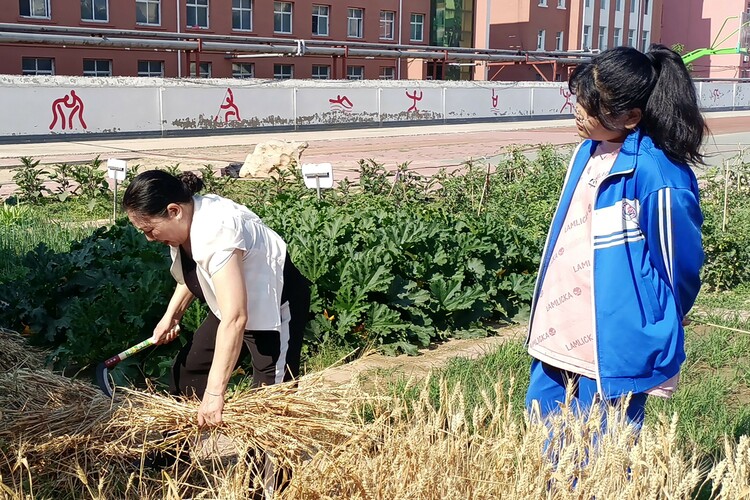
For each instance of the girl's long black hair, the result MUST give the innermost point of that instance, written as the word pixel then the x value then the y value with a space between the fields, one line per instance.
pixel 621 79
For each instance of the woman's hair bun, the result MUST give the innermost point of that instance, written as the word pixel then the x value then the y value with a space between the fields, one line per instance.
pixel 192 182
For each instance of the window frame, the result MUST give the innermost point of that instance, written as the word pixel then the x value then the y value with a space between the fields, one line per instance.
pixel 93 18
pixel 415 23
pixel 318 76
pixel 196 6
pixel 350 74
pixel 150 74
pixel 30 5
pixel 617 36
pixel 280 15
pixel 561 4
pixel 316 17
pixel 242 74
pixel 602 40
pixel 560 41
pixel 359 22
pixel 383 76
pixel 36 66
pixel 541 39
pixel 147 3
pixel 280 67
pixel 385 22
pixel 542 3
pixel 96 70
pixel 586 42
pixel 243 10
pixel 200 70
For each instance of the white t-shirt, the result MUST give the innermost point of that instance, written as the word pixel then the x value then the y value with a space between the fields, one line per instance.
pixel 220 227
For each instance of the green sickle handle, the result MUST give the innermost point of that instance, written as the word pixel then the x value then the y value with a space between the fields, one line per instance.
pixel 128 352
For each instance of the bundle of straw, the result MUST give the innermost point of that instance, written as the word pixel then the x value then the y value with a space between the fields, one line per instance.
pixel 55 416
pixel 283 420
pixel 15 352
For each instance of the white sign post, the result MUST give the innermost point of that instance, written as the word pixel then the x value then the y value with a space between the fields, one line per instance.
pixel 318 176
pixel 116 169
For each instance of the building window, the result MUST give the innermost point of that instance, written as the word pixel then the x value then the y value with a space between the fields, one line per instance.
pixel 542 3
pixel 94 10
pixel 387 22
pixel 283 71
pixel 631 38
pixel 588 3
pixel 243 70
pixel 97 67
pixel 154 69
pixel 618 5
pixel 644 41
pixel 604 4
pixel 242 15
pixel 34 8
pixel 148 12
pixel 618 37
pixel 645 7
pixel 321 72
pixel 37 66
pixel 355 72
pixel 355 22
pixel 560 4
pixel 320 17
pixel 586 37
pixel 197 13
pixel 204 71
pixel 540 39
pixel 602 38
pixel 632 6
pixel 282 17
pixel 417 28
pixel 560 41
pixel 387 73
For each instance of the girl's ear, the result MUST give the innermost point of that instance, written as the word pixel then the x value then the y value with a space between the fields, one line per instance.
pixel 633 118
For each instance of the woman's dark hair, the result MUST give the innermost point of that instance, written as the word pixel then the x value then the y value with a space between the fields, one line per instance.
pixel 150 192
pixel 621 79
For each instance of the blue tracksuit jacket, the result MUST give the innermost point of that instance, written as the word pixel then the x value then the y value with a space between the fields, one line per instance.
pixel 646 260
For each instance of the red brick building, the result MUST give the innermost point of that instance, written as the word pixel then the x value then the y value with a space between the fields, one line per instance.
pixel 563 26
pixel 387 22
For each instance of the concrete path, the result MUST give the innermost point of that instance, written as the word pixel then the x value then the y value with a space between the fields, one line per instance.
pixel 427 148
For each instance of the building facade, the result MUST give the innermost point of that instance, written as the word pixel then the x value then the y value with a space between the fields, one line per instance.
pixel 562 26
pixel 385 22
pixel 697 24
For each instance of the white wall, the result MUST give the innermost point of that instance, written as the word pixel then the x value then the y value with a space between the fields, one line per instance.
pixel 44 107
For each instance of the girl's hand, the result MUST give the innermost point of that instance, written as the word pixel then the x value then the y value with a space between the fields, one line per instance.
pixel 166 330
pixel 209 413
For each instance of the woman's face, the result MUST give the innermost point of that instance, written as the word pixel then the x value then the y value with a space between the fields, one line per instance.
pixel 171 230
pixel 589 127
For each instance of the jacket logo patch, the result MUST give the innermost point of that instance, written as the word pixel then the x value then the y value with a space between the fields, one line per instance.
pixel 628 211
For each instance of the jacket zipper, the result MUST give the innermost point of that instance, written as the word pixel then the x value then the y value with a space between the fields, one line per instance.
pixel 593 282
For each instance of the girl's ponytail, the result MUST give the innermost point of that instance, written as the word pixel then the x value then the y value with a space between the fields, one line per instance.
pixel 672 117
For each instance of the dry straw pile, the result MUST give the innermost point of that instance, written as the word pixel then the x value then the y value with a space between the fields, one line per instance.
pixel 61 438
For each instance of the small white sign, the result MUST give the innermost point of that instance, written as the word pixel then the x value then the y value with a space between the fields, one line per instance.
pixel 318 175
pixel 116 169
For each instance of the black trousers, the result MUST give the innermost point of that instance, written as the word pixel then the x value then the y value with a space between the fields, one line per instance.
pixel 275 355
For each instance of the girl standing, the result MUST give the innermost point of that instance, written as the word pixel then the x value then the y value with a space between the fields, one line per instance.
pixel 620 269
